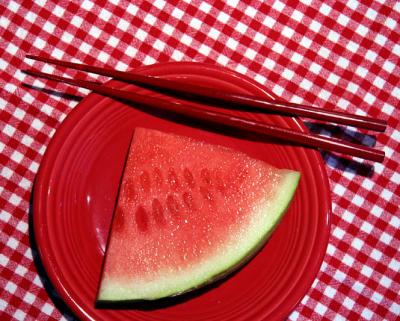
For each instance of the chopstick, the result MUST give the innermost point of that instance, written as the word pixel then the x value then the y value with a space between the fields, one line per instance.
pixel 195 91
pixel 305 139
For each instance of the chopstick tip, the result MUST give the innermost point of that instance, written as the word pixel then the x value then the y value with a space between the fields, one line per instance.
pixel 31 72
pixel 26 71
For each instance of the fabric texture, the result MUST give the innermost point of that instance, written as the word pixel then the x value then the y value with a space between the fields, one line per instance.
pixel 332 54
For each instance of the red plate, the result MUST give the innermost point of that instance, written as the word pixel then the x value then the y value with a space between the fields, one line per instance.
pixel 76 190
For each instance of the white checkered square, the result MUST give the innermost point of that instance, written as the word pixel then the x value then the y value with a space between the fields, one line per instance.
pixel 159 45
pixel 315 68
pixel 29 298
pixel 37 124
pixel 33 167
pixel 395 308
pixel 150 19
pixel 123 25
pixel 269 22
pixel 348 260
pixel 306 84
pixel 287 32
pixel 367 271
pixel 306 42
pixel 367 227
pixel 223 60
pixel 133 10
pixel 250 54
pixel 278 48
pixel 386 238
pixel 241 69
pixel 22 227
pixel 325 9
pixel 385 281
pixel 195 23
pixel 141 35
pixel 348 216
pixel 320 308
pixel 278 5
pixel 250 11
pixel 177 55
pixel 362 30
pixel 187 40
pixel 330 292
pixel 17 157
pixel 371 13
pixel 357 243
pixel 77 21
pixel 380 40
pixel 331 250
pixel 367 314
pixel 10 287
pixel 11 88
pixel 15 199
pixel 19 315
pixel 241 27
pixel 315 26
pixel 232 43
pixel 205 7
pixel 348 303
pixel 6 172
pixel 87 5
pixel 205 50
pixel 58 11
pixel 338 233
pixel 358 200
pixel 178 13
pixel 48 309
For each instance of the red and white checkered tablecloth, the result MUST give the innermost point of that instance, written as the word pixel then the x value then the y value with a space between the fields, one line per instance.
pixel 334 54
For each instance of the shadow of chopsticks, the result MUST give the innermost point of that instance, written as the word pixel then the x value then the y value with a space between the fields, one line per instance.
pixel 341 132
pixel 341 163
pixel 54 92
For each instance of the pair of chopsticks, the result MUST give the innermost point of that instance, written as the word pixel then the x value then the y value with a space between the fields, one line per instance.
pixel 202 93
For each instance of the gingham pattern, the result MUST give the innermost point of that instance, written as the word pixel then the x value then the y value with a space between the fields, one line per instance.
pixel 332 54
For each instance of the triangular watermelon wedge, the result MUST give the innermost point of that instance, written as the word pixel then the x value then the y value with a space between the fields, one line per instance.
pixel 187 214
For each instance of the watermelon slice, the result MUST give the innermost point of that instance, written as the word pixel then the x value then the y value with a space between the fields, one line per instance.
pixel 187 214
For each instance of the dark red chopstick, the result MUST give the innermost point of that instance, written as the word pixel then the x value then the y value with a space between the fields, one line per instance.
pixel 224 97
pixel 316 141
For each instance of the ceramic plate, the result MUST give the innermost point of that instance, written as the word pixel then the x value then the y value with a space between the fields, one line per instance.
pixel 77 185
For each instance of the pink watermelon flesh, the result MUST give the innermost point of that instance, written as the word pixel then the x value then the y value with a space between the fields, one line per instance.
pixel 187 213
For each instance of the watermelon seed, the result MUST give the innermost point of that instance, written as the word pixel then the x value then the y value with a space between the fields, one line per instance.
pixel 158 212
pixel 158 177
pixel 129 191
pixel 188 200
pixel 173 179
pixel 206 193
pixel 206 176
pixel 172 205
pixel 145 180
pixel 187 174
pixel 141 218
pixel 221 187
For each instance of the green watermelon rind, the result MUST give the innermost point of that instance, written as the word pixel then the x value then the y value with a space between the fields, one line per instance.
pixel 220 265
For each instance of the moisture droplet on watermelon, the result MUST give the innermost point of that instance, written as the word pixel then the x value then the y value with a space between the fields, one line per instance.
pixel 188 213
